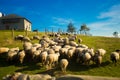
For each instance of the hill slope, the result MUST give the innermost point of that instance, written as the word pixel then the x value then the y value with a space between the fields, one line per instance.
pixel 106 69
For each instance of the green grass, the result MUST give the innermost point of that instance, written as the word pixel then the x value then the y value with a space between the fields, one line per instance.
pixel 106 69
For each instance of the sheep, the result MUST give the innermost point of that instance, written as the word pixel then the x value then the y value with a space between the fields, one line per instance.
pixel 63 64
pixel 91 51
pixel 86 58
pixel 43 57
pixel 21 76
pixel 43 43
pixel 72 38
pixel 39 77
pixel 21 56
pixel 72 43
pixel 26 39
pixel 19 37
pixel 32 50
pixel 57 35
pixel 67 46
pixel 36 37
pixel 101 52
pixel 3 50
pixel 63 52
pixel 13 76
pixel 52 43
pixel 83 46
pixel 56 48
pixel 37 45
pixel 51 51
pixel 52 59
pixel 114 56
pixel 15 49
pixel 36 55
pixel 118 50
pixel 79 54
pixel 70 53
pixel 97 59
pixel 27 46
pixel 11 55
pixel 46 39
pixel 79 40
pixel 66 41
pixel 58 40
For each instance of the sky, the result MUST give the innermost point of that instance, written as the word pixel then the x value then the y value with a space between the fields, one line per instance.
pixel 101 16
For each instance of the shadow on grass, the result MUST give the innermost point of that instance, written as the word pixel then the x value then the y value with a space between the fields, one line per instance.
pixel 78 67
pixel 28 67
pixel 31 66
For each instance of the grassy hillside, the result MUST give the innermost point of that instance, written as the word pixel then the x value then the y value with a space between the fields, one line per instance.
pixel 106 69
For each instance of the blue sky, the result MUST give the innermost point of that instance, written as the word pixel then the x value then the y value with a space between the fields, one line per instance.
pixel 101 16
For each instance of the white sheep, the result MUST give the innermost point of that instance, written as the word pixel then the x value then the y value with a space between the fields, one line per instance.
pixel 4 50
pixel 32 52
pixel 43 43
pixel 79 40
pixel 15 49
pixel 79 54
pixel 67 46
pixel 70 53
pixel 37 45
pixel 36 55
pixel 91 51
pixel 56 48
pixel 21 56
pixel 51 51
pixel 114 56
pixel 36 37
pixel 19 37
pixel 43 57
pixel 100 52
pixel 21 76
pixel 98 59
pixel 27 46
pixel 63 64
pixel 12 54
pixel 83 46
pixel 86 58
pixel 52 60
pixel 63 52
pixel 26 39
pixel 72 43
pixel 66 41
pixel 72 38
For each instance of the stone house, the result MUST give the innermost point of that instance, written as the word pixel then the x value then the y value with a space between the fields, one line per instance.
pixel 15 22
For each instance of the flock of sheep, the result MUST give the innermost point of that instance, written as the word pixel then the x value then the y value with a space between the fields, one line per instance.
pixel 56 50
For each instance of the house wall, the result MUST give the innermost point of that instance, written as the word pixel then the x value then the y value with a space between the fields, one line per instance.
pixel 27 25
pixel 8 25
pixel 22 24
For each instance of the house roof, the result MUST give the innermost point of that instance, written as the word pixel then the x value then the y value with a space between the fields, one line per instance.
pixel 13 16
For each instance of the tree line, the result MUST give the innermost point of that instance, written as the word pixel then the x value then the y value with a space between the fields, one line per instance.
pixel 83 29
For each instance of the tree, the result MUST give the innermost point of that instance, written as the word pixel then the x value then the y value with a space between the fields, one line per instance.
pixel 59 30
pixel 115 34
pixel 85 29
pixel 71 28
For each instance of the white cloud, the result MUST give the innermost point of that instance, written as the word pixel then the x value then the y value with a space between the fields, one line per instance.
pixel 108 22
pixel 62 21
pixel 113 12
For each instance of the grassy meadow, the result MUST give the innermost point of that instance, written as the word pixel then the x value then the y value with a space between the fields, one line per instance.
pixel 106 69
